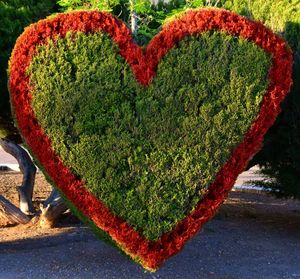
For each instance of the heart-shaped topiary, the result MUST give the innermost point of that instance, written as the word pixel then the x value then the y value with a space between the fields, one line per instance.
pixel 145 144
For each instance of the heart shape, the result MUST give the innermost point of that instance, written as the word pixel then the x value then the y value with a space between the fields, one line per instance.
pixel 51 146
pixel 143 142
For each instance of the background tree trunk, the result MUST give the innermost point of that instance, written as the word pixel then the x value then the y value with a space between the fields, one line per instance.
pixel 50 210
pixel 28 170
pixel 133 18
pixel 12 213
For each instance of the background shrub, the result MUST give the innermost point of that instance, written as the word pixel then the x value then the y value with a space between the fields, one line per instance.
pixel 14 16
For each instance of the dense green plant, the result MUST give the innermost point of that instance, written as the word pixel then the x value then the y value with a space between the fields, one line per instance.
pixel 280 155
pixel 275 14
pixel 137 148
pixel 14 16
pixel 149 16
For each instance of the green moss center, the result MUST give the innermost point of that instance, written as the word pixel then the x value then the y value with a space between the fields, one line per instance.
pixel 148 153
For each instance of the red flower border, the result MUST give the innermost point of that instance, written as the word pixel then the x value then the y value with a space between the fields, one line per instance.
pixel 144 63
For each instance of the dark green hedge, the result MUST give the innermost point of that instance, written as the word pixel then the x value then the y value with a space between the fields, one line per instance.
pixel 280 156
pixel 148 153
pixel 14 16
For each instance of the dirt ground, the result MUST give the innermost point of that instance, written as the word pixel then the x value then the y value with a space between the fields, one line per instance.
pixel 253 236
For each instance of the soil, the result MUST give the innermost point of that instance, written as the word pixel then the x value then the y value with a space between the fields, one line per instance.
pixel 253 235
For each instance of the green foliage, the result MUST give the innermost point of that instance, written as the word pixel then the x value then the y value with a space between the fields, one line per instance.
pixel 103 5
pixel 149 16
pixel 284 18
pixel 280 156
pixel 275 14
pixel 148 153
pixel 14 16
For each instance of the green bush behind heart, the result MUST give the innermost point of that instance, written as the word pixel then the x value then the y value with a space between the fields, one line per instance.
pixel 15 15
pixel 148 153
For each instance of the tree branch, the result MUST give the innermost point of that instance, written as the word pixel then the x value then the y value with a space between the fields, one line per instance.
pixel 11 212
pixel 28 169
pixel 133 18
pixel 51 209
